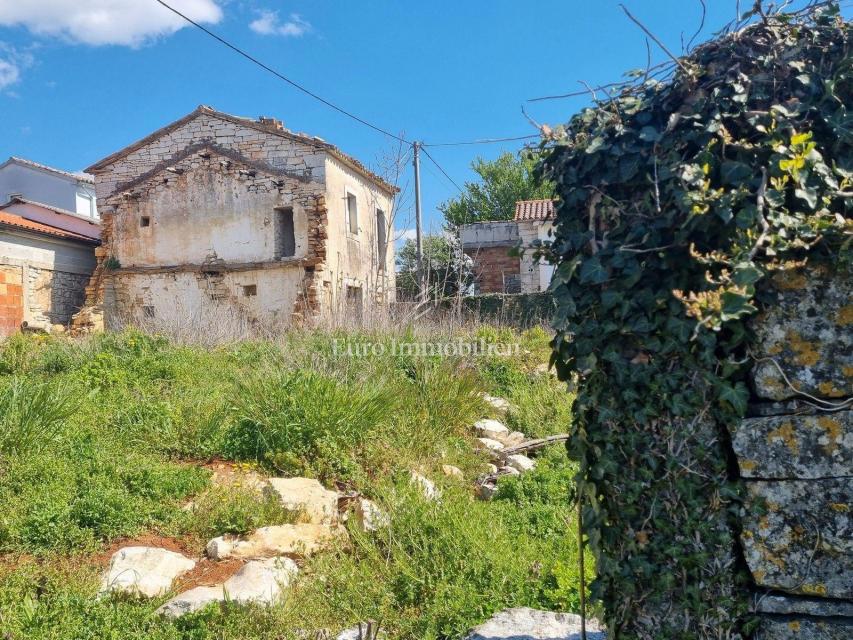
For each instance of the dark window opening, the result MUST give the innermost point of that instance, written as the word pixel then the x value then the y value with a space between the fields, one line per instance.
pixel 285 238
pixel 147 311
pixel 381 238
pixel 145 221
pixel 250 290
pixel 354 302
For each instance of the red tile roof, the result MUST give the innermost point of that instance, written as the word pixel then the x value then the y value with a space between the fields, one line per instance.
pixel 12 220
pixel 534 210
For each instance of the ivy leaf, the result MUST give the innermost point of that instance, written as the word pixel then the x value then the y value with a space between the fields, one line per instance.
pixel 809 195
pixel 649 134
pixel 746 273
pixel 734 172
pixel 736 396
pixel 592 271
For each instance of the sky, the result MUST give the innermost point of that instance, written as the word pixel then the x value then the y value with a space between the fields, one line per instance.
pixel 80 79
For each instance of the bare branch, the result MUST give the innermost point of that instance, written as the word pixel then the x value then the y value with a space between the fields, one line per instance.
pixel 655 38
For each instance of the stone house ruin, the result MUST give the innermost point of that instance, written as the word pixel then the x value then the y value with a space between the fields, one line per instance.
pixel 216 212
pixel 502 250
pixel 47 256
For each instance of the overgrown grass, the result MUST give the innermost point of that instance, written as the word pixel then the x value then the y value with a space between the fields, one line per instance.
pixel 107 438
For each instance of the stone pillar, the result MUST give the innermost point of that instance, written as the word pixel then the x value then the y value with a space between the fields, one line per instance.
pixel 795 456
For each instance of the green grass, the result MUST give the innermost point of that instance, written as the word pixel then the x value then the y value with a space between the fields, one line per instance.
pixel 106 438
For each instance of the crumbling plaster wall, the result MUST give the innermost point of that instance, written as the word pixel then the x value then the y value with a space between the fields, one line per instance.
pixel 795 456
pixel 535 274
pixel 353 259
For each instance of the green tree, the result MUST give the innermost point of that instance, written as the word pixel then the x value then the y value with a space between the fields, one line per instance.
pixel 442 265
pixel 503 181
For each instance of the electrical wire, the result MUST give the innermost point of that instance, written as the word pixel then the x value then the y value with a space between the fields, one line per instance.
pixel 446 175
pixel 280 75
pixel 480 141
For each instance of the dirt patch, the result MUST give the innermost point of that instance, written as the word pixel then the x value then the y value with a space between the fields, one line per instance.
pixel 207 573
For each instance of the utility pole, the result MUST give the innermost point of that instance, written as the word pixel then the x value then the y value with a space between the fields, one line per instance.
pixel 419 239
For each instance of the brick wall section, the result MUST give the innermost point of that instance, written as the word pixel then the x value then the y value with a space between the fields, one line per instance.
pixel 11 300
pixel 491 267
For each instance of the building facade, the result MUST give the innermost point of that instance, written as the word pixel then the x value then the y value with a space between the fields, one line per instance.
pixel 216 212
pixel 47 256
pixel 63 190
pixel 504 252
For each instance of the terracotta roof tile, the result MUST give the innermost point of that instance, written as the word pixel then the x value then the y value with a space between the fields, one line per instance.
pixel 12 220
pixel 534 210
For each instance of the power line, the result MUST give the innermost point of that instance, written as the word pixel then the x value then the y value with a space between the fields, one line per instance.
pixel 427 154
pixel 480 141
pixel 281 76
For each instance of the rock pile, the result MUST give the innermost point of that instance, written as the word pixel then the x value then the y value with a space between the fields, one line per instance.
pixel 531 624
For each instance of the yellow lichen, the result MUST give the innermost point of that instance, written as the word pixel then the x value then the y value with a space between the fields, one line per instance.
pixel 816 589
pixel 793 625
pixel 748 465
pixel 789 280
pixel 839 506
pixel 829 390
pixel 785 433
pixel 845 315
pixel 833 432
pixel 805 352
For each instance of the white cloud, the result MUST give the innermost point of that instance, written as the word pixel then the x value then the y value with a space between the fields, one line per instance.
pixel 268 23
pixel 9 73
pixel 105 22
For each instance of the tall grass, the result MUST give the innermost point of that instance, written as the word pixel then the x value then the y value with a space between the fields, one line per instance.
pixel 33 414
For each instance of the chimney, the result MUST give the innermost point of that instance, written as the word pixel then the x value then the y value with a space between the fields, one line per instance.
pixel 278 125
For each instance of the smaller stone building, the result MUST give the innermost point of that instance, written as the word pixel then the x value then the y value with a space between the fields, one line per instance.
pixel 47 256
pixel 503 252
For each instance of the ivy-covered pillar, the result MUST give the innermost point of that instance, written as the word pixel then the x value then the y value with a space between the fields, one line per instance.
pixel 676 199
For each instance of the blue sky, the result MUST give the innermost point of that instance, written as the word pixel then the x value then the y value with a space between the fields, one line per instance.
pixel 80 79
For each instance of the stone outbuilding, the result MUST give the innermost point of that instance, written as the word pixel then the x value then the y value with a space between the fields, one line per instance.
pixel 216 212
pixel 47 256
pixel 503 251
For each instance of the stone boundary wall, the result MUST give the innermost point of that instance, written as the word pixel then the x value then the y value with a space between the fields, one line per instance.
pixel 795 457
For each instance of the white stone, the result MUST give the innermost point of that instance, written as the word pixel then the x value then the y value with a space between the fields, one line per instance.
pixel 312 500
pixel 490 445
pixel 520 462
pixel 452 472
pixel 489 428
pixel 498 404
pixel 426 486
pixel 261 581
pixel 491 468
pixel 191 601
pixel 530 624
pixel 354 633
pixel 512 438
pixel 370 516
pixel 510 471
pixel 300 540
pixel 487 491
pixel 144 571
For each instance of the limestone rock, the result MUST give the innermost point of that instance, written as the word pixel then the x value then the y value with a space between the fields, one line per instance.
pixel 315 503
pixel 144 571
pixel 806 446
pixel 356 633
pixel 509 471
pixel 487 490
pixel 808 333
pixel 299 540
pixel 786 605
pixel 489 428
pixel 498 404
pixel 530 624
pixel 491 468
pixel 426 486
pixel 191 601
pixel 261 581
pixel 520 462
pixel 452 472
pixel 804 629
pixel 369 516
pixel 490 445
pixel 512 438
pixel 802 544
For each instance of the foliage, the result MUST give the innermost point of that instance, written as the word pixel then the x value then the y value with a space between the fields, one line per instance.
pixel 676 199
pixel 32 414
pixel 445 273
pixel 128 462
pixel 503 182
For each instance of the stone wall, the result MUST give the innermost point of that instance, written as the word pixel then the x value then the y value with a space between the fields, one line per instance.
pixel 795 457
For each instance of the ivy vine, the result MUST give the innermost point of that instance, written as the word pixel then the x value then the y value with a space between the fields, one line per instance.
pixel 676 199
